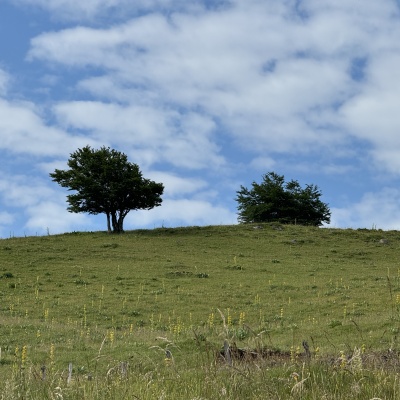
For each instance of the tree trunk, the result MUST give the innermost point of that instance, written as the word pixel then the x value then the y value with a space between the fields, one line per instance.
pixel 114 222
pixel 117 220
pixel 121 223
pixel 108 222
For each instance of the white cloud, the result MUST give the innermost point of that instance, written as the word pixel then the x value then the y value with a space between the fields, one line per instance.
pixel 44 206
pixel 182 86
pixel 175 185
pixel 180 213
pixel 25 191
pixel 280 81
pixel 137 124
pixel 373 115
pixel 22 130
pixel 250 78
pixel 379 210
pixel 263 163
pixel 152 134
pixel 50 216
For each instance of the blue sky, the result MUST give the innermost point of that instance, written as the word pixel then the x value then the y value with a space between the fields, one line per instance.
pixel 204 96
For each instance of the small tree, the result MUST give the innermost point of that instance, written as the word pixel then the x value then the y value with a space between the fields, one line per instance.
pixel 107 183
pixel 275 200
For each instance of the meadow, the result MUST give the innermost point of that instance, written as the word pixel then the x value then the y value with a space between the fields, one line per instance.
pixel 262 311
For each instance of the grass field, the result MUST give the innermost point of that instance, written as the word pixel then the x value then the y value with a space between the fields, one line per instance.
pixel 308 313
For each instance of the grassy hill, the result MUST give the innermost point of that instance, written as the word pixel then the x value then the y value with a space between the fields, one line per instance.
pixel 144 315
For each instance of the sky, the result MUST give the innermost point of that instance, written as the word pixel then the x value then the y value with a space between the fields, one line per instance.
pixel 205 96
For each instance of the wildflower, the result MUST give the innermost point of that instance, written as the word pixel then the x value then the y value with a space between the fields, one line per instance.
pixel 24 354
pixel 51 356
pixel 342 360
pixel 241 318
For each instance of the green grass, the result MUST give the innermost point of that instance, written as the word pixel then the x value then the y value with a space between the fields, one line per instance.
pixel 97 300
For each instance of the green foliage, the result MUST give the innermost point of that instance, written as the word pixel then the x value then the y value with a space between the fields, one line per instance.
pixel 275 200
pixel 106 182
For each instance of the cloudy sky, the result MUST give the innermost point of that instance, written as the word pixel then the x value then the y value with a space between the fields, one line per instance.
pixel 204 96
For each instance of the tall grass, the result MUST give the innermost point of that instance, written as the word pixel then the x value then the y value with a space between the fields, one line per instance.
pixel 307 313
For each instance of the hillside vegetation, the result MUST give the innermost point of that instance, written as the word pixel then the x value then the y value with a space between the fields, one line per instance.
pixel 307 313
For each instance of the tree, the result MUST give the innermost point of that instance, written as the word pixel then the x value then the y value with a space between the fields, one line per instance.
pixel 105 182
pixel 275 200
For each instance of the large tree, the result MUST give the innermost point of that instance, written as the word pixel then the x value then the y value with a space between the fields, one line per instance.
pixel 106 182
pixel 287 202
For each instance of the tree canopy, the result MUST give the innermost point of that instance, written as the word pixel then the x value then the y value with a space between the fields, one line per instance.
pixel 286 202
pixel 106 182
